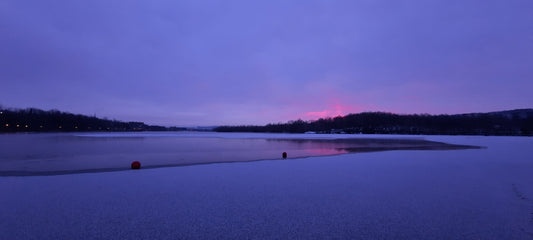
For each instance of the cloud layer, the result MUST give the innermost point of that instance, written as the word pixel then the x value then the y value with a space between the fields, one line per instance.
pixel 243 62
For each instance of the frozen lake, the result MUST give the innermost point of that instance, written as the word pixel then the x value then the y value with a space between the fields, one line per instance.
pixel 70 153
pixel 410 194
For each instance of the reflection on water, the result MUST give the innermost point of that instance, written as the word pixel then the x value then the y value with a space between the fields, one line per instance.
pixel 63 153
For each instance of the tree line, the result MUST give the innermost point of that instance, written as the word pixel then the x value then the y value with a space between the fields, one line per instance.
pixel 511 123
pixel 36 120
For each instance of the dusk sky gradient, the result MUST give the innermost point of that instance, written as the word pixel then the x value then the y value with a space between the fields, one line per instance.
pixel 197 62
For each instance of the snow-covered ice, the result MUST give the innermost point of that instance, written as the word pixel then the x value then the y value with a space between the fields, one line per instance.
pixel 459 194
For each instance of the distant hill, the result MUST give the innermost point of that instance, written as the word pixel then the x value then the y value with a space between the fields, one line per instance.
pixel 517 122
pixel 36 120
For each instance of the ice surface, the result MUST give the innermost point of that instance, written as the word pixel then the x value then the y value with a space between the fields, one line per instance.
pixel 467 194
pixel 68 153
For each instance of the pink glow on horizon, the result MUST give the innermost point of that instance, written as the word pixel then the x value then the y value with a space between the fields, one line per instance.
pixel 334 110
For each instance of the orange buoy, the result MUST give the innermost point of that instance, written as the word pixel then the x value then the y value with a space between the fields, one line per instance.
pixel 284 155
pixel 135 165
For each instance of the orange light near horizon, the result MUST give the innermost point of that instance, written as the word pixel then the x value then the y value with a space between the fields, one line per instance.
pixel 25 125
pixel 60 127
pixel 18 125
pixel 7 125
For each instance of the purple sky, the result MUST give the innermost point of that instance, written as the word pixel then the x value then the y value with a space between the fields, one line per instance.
pixel 210 62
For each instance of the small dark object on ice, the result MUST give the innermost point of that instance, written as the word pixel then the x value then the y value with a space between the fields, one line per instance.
pixel 135 165
pixel 284 155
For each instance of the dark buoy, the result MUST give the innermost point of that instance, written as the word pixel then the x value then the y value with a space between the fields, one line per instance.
pixel 135 165
pixel 284 155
